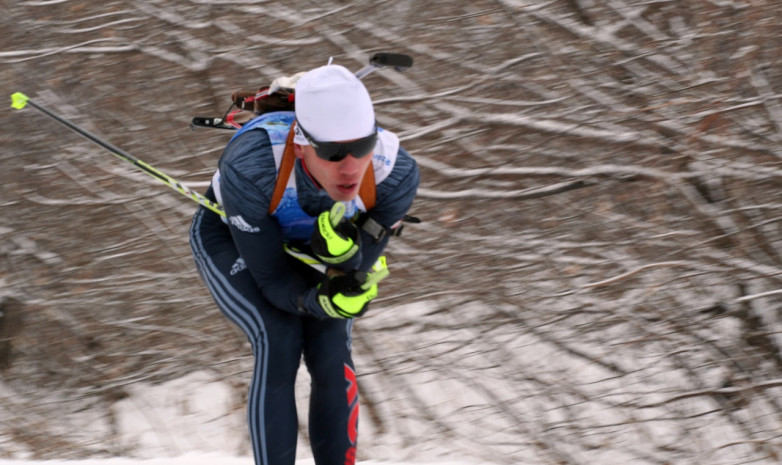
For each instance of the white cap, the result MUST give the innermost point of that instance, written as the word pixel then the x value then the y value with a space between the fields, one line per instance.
pixel 332 104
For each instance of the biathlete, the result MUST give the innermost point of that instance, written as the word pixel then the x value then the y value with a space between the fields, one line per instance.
pixel 321 185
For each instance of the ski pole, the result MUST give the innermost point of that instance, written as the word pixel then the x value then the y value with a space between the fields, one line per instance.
pixel 398 61
pixel 20 100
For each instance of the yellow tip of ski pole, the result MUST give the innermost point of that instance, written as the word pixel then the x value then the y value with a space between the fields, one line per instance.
pixel 19 100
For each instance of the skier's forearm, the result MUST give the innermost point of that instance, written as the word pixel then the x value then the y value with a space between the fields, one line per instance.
pixel 280 282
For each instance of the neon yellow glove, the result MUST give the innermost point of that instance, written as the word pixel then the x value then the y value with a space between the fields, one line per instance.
pixel 348 295
pixel 334 240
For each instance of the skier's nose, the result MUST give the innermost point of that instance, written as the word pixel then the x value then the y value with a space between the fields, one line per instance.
pixel 349 166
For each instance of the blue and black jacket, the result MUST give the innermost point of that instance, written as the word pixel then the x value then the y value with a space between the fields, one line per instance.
pixel 244 185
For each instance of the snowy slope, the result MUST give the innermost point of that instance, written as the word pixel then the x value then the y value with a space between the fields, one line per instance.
pixel 195 459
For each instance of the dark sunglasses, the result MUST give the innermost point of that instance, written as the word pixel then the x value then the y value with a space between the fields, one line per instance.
pixel 338 151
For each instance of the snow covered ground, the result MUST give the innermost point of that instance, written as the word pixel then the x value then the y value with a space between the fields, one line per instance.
pixel 195 459
pixel 188 421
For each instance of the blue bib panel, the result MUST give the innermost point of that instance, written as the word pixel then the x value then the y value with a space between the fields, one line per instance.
pixel 296 225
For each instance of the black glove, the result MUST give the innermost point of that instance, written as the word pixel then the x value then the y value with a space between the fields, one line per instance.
pixel 348 295
pixel 334 240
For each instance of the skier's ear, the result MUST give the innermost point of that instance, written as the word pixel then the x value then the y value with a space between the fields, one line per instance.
pixel 299 150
